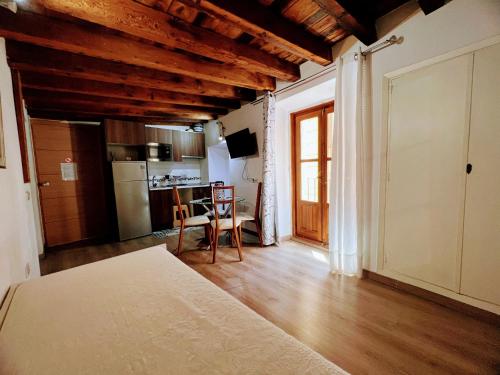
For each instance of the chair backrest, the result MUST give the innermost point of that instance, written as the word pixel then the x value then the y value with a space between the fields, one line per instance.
pixel 257 202
pixel 179 204
pixel 216 183
pixel 219 196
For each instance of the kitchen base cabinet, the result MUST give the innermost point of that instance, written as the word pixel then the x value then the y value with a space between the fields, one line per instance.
pixel 161 203
pixel 198 193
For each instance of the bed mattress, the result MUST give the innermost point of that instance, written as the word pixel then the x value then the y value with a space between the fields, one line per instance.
pixel 142 313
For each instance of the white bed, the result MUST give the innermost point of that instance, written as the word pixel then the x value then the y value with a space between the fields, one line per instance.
pixel 141 313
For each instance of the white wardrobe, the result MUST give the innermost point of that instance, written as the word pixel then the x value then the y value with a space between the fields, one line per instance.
pixel 442 191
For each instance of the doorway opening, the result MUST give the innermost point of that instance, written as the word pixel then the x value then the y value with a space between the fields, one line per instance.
pixel 312 149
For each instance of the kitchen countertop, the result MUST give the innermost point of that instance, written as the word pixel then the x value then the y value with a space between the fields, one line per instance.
pixel 187 186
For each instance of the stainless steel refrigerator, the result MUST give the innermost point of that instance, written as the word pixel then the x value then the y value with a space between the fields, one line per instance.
pixel 132 198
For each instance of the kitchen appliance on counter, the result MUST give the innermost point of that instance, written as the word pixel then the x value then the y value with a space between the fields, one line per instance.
pixel 132 198
pixel 158 151
pixel 170 181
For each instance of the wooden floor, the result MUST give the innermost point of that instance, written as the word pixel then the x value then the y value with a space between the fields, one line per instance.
pixel 361 325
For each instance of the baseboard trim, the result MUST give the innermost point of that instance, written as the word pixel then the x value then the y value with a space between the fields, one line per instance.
pixel 450 303
pixel 311 243
pixel 285 238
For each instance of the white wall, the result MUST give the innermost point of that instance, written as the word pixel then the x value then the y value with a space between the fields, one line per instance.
pixel 218 166
pixel 458 24
pixel 248 116
pixel 17 240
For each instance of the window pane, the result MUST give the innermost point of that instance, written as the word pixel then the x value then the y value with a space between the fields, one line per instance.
pixel 329 137
pixel 309 181
pixel 309 138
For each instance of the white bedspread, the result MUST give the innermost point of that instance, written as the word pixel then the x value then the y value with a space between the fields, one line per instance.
pixel 142 313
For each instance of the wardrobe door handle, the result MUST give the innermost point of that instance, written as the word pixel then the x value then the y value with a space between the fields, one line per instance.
pixel 468 169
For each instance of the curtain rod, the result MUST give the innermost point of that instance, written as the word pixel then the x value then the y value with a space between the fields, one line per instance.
pixel 377 47
pixel 380 46
pixel 329 68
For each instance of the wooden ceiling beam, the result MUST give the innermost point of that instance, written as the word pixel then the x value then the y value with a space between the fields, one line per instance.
pixel 363 29
pixel 263 23
pixel 29 58
pixel 429 6
pixel 95 42
pixel 136 19
pixel 52 83
pixel 107 110
pixel 61 99
pixel 69 115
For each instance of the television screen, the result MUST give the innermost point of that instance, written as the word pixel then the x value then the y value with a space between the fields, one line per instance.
pixel 241 144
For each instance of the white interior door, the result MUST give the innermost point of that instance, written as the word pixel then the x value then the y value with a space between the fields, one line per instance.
pixel 428 126
pixel 481 245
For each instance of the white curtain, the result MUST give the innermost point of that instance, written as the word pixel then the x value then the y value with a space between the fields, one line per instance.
pixel 347 208
pixel 268 174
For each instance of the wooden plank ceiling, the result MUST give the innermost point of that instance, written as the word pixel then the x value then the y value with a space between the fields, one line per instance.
pixel 183 61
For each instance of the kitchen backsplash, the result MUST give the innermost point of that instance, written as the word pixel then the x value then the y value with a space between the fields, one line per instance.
pixel 188 168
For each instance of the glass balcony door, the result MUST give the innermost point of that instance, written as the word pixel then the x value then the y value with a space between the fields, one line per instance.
pixel 312 152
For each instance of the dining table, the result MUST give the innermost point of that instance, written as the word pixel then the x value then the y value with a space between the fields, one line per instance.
pixel 207 204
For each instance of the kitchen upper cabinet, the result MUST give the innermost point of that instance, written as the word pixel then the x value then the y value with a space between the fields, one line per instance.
pixel 124 132
pixel 188 145
pixel 177 144
pixel 193 145
pixel 157 135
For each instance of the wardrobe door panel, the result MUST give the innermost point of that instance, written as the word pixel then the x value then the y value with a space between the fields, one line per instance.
pixel 427 142
pixel 481 246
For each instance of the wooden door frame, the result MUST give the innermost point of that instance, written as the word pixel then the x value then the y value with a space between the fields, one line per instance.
pixel 322 148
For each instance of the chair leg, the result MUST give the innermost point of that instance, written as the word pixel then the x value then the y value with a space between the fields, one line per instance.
pixel 214 244
pixel 208 235
pixel 259 232
pixel 233 243
pixel 181 238
pixel 235 232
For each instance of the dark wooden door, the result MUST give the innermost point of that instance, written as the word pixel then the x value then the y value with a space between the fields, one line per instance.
pixel 73 204
pixel 312 131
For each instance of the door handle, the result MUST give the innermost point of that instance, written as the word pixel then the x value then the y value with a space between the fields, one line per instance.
pixel 468 168
pixel 44 184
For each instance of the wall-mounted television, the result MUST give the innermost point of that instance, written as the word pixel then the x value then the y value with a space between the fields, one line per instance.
pixel 242 143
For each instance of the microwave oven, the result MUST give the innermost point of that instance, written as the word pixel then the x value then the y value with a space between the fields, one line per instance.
pixel 158 152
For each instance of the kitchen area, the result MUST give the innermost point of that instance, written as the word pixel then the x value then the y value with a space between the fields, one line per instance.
pixel 146 162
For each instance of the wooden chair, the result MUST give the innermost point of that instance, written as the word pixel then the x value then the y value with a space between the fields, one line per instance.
pixel 211 213
pixel 177 216
pixel 224 224
pixel 245 217
pixel 185 222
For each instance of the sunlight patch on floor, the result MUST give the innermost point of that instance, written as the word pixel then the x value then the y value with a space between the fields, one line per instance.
pixel 319 256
